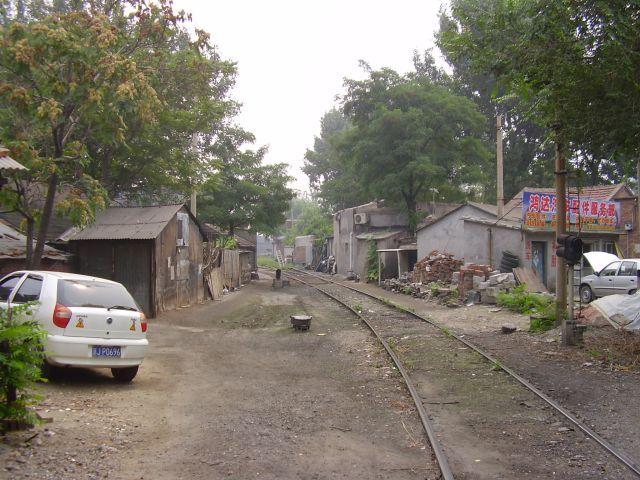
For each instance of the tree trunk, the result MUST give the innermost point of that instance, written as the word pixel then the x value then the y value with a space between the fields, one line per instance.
pixel 47 213
pixel 30 225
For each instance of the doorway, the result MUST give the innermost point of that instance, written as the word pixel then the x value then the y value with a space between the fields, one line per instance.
pixel 539 260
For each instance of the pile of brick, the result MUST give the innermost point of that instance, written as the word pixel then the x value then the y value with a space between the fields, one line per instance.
pixel 436 267
pixel 480 283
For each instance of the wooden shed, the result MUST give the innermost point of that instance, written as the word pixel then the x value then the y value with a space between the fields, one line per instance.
pixel 156 252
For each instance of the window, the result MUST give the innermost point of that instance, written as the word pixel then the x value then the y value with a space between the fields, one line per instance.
pixel 183 229
pixel 7 286
pixel 29 291
pixel 89 293
pixel 609 247
pixel 610 270
pixel 628 269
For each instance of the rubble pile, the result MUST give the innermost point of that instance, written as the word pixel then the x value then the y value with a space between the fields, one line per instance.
pixel 439 291
pixel 436 267
pixel 440 276
pixel 478 283
pixel 403 285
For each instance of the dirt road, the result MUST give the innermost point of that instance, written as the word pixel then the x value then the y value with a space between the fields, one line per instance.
pixel 229 390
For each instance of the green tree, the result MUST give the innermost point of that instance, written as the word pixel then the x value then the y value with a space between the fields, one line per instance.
pixel 310 219
pixel 68 77
pixel 528 158
pixel 121 101
pixel 411 135
pixel 572 66
pixel 332 176
pixel 244 192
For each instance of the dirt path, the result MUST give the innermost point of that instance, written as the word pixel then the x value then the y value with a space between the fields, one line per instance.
pixel 229 390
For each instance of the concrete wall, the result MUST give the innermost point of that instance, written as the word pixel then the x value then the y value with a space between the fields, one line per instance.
pixel 484 244
pixel 303 250
pixel 447 234
pixel 351 253
pixel 265 246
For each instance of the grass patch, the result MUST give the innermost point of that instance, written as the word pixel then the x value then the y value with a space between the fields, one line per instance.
pixel 270 262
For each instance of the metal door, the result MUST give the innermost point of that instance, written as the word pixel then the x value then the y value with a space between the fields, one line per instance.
pixel 132 268
pixel 539 260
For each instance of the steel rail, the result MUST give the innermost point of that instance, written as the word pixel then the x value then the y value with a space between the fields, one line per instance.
pixel 443 462
pixel 623 458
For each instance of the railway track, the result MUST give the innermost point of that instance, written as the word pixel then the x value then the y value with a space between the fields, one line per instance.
pixel 475 410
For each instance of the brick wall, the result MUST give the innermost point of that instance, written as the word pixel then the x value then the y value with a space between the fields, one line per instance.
pixel 629 241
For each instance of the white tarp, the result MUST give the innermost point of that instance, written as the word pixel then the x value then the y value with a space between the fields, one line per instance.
pixel 622 311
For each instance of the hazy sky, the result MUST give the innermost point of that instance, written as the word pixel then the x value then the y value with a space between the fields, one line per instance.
pixel 292 57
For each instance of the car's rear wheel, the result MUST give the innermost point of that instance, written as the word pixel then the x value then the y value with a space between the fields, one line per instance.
pixel 633 292
pixel 48 371
pixel 586 295
pixel 124 374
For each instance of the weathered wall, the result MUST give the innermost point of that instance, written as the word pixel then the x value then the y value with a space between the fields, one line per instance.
pixel 178 274
pixel 629 240
pixel 351 253
pixel 484 244
pixel 303 250
pixel 125 261
pixel 447 234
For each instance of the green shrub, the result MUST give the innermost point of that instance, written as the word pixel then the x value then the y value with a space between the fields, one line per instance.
pixel 521 301
pixel 21 356
pixel 540 307
pixel 372 262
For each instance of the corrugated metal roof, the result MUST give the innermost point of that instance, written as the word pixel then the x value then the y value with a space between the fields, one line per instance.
pixel 8 163
pixel 377 235
pixel 13 244
pixel 128 223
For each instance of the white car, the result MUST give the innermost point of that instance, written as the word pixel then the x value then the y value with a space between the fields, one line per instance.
pixel 612 275
pixel 90 321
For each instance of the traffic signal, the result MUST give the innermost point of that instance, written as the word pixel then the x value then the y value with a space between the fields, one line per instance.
pixel 569 248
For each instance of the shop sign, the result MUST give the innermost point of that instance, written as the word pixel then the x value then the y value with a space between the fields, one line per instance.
pixel 583 214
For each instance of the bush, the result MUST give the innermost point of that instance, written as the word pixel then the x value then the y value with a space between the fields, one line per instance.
pixel 21 355
pixel 523 302
pixel 372 262
pixel 540 307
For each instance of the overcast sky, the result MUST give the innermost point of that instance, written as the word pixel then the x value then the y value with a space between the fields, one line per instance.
pixel 292 57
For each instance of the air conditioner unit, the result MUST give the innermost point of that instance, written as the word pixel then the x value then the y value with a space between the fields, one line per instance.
pixel 360 218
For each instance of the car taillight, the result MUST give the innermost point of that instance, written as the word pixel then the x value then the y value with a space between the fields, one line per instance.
pixel 61 316
pixel 143 322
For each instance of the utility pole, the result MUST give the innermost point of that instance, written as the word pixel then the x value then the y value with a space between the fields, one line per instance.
pixel 500 166
pixel 194 194
pixel 561 265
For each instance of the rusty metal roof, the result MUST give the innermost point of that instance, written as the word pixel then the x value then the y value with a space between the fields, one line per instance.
pixel 128 223
pixel 13 244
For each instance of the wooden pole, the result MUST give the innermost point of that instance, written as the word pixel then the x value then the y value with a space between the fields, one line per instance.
pixel 561 266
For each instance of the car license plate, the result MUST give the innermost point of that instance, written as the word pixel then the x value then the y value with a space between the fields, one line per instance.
pixel 104 351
